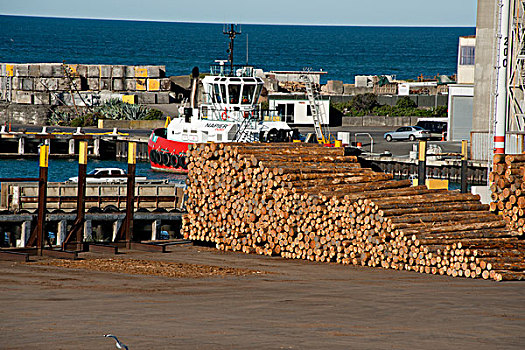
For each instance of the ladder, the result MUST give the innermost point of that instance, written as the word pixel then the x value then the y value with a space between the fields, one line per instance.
pixel 7 87
pixel 315 109
pixel 241 135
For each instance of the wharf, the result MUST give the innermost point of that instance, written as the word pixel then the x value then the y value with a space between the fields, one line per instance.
pixel 98 227
pixel 109 145
pixel 438 167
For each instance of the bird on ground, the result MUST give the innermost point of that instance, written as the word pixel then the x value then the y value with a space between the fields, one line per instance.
pixel 118 344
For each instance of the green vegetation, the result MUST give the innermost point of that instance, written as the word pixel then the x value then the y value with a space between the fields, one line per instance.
pixel 113 109
pixel 367 104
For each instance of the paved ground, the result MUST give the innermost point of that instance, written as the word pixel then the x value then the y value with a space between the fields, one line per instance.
pixel 296 305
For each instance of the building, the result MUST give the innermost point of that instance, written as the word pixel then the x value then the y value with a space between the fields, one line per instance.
pixel 295 109
pixel 461 95
pixel 486 68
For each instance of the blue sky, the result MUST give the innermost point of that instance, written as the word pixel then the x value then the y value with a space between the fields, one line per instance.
pixel 335 12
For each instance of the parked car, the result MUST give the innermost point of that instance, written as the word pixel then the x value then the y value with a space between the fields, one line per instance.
pixel 107 175
pixel 411 133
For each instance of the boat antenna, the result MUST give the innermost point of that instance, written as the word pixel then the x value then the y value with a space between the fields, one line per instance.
pixel 232 30
pixel 247 49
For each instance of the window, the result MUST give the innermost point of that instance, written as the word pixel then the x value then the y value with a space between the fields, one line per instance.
pixel 234 92
pixel 223 93
pixel 467 55
pixel 216 95
pixel 308 111
pixel 247 94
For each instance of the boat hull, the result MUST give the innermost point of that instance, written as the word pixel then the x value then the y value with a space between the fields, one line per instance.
pixel 167 155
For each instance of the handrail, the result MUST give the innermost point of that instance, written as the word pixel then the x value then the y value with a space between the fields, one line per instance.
pixel 366 134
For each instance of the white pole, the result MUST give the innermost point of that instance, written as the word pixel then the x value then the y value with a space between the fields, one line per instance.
pixel 501 91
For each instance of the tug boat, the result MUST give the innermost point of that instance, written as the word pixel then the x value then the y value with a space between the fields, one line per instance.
pixel 229 113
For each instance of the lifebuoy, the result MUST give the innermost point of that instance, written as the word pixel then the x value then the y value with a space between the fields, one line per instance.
pixel 174 160
pixel 224 115
pixel 165 158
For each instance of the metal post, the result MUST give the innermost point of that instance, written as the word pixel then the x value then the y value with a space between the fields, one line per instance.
pixel 81 189
pixel 42 198
pixel 422 163
pixel 501 90
pixel 130 202
pixel 464 165
pixel 77 230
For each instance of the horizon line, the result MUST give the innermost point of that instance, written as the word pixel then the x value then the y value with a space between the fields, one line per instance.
pixel 245 23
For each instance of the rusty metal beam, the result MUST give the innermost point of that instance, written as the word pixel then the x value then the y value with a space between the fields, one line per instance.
pixel 77 230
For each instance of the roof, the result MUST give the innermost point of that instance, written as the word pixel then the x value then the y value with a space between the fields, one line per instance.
pixel 297 72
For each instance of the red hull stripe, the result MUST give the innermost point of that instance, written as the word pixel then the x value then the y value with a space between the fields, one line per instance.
pixel 499 138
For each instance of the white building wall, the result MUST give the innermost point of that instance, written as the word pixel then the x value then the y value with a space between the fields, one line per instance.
pixel 465 71
pixel 301 109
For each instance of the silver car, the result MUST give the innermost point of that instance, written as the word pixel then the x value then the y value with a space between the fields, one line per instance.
pixel 411 133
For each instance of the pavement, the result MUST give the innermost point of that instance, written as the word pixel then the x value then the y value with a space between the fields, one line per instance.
pixel 371 143
pixel 291 304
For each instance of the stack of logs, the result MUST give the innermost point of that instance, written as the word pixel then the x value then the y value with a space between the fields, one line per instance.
pixel 304 201
pixel 508 189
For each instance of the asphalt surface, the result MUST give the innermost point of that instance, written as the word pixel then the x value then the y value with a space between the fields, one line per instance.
pixel 292 304
pixel 375 143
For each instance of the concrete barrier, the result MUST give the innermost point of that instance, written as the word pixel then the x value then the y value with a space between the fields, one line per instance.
pixel 130 124
pixel 379 121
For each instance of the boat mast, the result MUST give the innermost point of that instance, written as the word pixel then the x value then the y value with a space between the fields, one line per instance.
pixel 232 32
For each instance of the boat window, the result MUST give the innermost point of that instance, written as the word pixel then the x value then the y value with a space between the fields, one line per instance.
pixel 234 92
pixel 219 137
pixel 223 92
pixel 216 94
pixel 247 94
pixel 257 93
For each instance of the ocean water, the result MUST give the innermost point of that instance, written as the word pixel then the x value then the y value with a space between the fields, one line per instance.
pixel 342 52
pixel 62 169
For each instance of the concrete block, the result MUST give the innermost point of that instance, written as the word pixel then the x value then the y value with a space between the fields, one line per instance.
pixel 17 83
pixel 163 97
pixel 93 71
pixel 130 84
pixel 46 84
pixel 23 97
pixel 27 84
pixel 82 70
pixel 118 85
pixel 34 70
pixel 21 70
pixel 141 72
pixel 105 84
pixel 41 98
pixel 165 84
pixel 46 70
pixel 352 121
pixel 105 71
pixel 63 84
pixel 58 71
pixel 130 71
pixel 184 81
pixel 146 97
pixel 374 121
pixel 93 84
pixel 153 84
pixel 118 71
pixel 154 71
pixel 335 87
pixel 141 84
